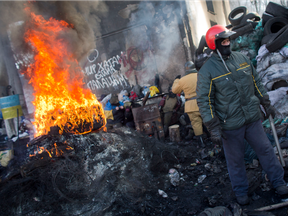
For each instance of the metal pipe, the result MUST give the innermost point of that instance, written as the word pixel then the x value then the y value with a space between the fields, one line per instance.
pixel 271 207
pixel 276 140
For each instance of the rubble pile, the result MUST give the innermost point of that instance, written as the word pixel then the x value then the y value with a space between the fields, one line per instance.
pixel 123 172
pixel 87 174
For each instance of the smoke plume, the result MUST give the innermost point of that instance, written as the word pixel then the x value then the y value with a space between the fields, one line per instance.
pixel 161 30
pixel 85 18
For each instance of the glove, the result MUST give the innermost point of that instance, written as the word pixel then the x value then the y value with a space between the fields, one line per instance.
pixel 269 109
pixel 216 136
pixel 213 126
pixel 178 77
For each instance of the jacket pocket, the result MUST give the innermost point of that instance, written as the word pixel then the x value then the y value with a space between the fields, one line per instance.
pixel 222 82
pixel 245 72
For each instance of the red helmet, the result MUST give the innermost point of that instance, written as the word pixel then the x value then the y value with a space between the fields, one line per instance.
pixel 216 32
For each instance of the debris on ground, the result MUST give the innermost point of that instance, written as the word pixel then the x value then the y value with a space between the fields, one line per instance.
pixel 122 172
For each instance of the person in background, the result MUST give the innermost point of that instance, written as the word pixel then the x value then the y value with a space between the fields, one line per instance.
pixel 128 104
pixel 114 112
pixel 187 84
pixel 168 106
pixel 104 99
pixel 229 92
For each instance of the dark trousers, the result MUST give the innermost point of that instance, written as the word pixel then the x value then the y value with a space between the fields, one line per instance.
pixel 234 149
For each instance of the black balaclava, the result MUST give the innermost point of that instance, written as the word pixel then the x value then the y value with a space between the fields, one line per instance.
pixel 224 50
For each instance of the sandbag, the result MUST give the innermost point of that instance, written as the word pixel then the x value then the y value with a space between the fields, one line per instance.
pixel 265 59
pixel 277 95
pixel 274 73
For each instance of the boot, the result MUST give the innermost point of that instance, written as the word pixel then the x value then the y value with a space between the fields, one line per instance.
pixel 282 190
pixel 166 131
pixel 243 200
pixel 182 120
pixel 201 141
pixel 190 135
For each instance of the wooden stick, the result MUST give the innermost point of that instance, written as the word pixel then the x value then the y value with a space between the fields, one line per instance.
pixel 145 98
pixel 270 207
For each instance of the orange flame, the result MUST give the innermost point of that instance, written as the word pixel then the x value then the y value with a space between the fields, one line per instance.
pixel 57 79
pixel 53 152
pixel 39 150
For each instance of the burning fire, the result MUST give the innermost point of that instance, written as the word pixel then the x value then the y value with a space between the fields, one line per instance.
pixel 57 79
pixel 55 151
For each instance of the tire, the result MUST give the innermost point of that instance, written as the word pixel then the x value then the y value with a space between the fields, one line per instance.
pixel 274 25
pixel 229 26
pixel 277 10
pixel 254 24
pixel 238 26
pixel 243 30
pixel 250 17
pixel 267 38
pixel 201 45
pixel 279 84
pixel 266 17
pixel 232 16
pixel 208 51
pixel 278 40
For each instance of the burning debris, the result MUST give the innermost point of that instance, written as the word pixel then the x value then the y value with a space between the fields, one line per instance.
pixel 89 174
pixel 57 78
pixel 68 169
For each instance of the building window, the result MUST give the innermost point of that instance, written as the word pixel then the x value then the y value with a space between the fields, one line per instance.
pixel 210 7
pixel 212 23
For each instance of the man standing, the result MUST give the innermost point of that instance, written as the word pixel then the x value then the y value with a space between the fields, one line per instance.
pixel 229 92
pixel 169 105
pixel 187 84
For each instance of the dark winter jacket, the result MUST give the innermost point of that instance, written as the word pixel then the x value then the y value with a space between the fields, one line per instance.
pixel 233 96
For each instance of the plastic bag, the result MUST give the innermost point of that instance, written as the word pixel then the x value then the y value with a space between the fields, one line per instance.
pixel 153 91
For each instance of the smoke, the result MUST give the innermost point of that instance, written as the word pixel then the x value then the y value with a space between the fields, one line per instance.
pixel 11 11
pixel 84 16
pixel 161 30
pixel 86 24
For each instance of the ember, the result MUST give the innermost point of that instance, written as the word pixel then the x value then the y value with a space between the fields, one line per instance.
pixel 56 77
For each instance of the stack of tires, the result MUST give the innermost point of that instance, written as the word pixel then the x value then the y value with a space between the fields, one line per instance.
pixel 249 32
pixel 202 53
pixel 275 23
pixel 246 39
pixel 272 58
pixel 242 22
